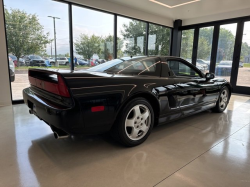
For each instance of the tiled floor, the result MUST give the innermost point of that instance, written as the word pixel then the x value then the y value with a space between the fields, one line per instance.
pixel 207 149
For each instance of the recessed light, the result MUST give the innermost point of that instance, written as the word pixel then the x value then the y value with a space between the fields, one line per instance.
pixel 163 4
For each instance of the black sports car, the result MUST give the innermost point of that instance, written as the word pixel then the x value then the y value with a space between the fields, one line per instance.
pixel 124 96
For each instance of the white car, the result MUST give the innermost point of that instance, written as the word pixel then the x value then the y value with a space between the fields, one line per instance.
pixel 63 61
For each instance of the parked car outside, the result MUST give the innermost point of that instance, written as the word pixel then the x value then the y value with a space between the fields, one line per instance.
pixel 82 62
pixel 51 60
pixel 93 62
pixel 21 62
pixel 12 69
pixel 241 64
pixel 35 60
pixel 200 66
pixel 14 58
pixel 63 61
pixel 224 68
pixel 204 63
pixel 100 61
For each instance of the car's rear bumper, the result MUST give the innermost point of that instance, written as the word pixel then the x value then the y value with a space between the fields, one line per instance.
pixel 69 120
pixel 55 116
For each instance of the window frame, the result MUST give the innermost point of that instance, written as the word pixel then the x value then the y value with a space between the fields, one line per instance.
pixel 194 68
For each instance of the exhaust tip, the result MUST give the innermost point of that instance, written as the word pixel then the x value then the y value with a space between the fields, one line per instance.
pixel 55 135
pixel 58 136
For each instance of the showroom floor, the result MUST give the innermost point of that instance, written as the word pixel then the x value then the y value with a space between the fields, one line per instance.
pixel 207 149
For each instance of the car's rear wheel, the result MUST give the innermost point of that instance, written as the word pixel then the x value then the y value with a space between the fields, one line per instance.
pixel 134 123
pixel 222 101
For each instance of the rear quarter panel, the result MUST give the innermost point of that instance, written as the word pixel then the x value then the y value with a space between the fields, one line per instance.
pixel 109 91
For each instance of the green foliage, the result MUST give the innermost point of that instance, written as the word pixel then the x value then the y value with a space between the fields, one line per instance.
pixel 25 35
pixel 102 46
pixel 226 45
pixel 132 32
pixel 205 43
pixel 162 40
pixel 245 51
pixel 203 49
pixel 187 44
pixel 159 39
pixel 88 45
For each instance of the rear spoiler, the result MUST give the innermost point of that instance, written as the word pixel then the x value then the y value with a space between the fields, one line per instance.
pixel 51 81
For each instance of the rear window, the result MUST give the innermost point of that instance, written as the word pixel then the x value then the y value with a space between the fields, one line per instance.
pixel 134 67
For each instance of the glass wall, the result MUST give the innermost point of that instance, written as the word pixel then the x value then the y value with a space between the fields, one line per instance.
pixel 93 36
pixel 243 78
pixel 31 40
pixel 204 48
pixel 225 51
pixel 159 40
pixel 187 44
pixel 38 37
pixel 131 37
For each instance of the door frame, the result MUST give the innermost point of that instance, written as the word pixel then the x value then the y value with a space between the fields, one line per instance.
pixel 237 47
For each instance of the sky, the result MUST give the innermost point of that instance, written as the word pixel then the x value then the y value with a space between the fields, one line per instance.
pixel 84 21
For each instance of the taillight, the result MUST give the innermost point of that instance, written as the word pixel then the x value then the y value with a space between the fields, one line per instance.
pixel 97 108
pixel 59 87
pixel 63 90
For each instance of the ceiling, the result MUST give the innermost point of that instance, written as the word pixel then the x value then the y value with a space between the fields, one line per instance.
pixel 188 10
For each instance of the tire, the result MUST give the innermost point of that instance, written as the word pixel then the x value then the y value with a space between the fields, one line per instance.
pixel 12 78
pixel 222 101
pixel 137 129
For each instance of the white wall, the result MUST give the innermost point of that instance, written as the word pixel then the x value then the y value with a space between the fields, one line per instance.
pixel 5 97
pixel 127 11
pixel 216 17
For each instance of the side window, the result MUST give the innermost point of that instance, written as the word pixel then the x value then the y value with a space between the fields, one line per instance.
pixel 181 69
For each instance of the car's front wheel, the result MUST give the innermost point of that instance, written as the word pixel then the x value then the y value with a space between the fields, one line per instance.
pixel 134 123
pixel 222 101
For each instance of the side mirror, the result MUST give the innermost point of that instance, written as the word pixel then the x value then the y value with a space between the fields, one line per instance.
pixel 209 76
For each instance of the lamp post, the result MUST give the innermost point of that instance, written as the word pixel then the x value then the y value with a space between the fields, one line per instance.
pixel 56 64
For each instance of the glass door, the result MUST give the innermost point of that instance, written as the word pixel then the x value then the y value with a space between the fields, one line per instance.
pixel 242 82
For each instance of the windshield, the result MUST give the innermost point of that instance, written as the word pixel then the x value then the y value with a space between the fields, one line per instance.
pixel 35 57
pixel 119 66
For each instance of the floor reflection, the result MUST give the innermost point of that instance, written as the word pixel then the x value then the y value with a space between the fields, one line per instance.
pixel 99 161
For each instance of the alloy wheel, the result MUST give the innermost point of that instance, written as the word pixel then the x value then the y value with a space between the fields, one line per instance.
pixel 138 122
pixel 223 99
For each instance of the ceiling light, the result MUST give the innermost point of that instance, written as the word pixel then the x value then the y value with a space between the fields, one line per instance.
pixel 163 4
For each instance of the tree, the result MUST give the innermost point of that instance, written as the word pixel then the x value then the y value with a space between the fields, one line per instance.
pixel 102 46
pixel 25 35
pixel 203 49
pixel 133 32
pixel 226 45
pixel 187 43
pixel 205 43
pixel 245 51
pixel 88 45
pixel 159 40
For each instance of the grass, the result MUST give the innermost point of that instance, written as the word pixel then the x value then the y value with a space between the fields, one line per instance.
pixel 246 65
